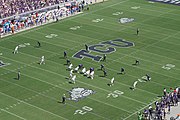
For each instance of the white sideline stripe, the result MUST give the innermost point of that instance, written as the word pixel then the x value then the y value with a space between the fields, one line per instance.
pixel 13 114
pixel 51 97
pixel 34 106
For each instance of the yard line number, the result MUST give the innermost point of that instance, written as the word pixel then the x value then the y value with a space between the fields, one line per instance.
pixel 51 35
pixel 115 94
pixel 97 20
pixel 168 66
pixel 83 110
pixel 75 27
pixel 117 13
pixel 24 45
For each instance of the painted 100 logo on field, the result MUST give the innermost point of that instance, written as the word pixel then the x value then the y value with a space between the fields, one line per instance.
pixel 106 47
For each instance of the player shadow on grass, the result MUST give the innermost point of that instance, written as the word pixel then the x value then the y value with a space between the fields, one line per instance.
pixel 102 75
pixel 131 88
pixel 15 78
pixel 119 73
pixel 60 102
pixel 36 46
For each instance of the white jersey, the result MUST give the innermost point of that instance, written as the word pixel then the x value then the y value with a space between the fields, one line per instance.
pixel 77 68
pixel 84 70
pixel 92 74
pixel 70 66
pixel 16 48
pixel 74 79
pixel 135 83
pixel 42 58
pixel 112 80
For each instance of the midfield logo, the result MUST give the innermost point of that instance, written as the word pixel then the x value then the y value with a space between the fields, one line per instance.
pixel 126 20
pixel 174 2
pixel 106 47
pixel 78 93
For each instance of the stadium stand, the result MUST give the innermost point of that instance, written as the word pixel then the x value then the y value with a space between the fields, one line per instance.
pixel 161 110
pixel 40 12
pixel 12 7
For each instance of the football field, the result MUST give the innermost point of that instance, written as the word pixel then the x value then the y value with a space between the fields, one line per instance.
pixel 107 28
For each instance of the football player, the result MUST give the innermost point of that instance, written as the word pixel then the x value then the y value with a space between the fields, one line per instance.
pixel 42 60
pixel 16 49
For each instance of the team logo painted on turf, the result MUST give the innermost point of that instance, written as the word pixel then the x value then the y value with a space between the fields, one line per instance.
pixel 2 64
pixel 173 2
pixel 106 47
pixel 126 20
pixel 78 93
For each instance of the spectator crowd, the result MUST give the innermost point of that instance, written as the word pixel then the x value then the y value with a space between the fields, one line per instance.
pixel 35 18
pixel 161 108
pixel 13 7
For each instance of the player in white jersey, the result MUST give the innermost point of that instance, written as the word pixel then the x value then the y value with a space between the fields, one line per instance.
pixel 134 85
pixel 70 66
pixel 73 79
pixel 71 74
pixel 91 75
pixel 42 60
pixel 76 69
pixel 111 82
pixel 16 49
pixel 83 70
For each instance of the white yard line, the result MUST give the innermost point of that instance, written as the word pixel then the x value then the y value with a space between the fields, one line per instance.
pixel 33 106
pixel 13 114
pixel 63 75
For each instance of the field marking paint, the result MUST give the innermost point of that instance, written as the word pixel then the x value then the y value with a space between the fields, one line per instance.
pixel 84 83
pixel 79 81
pixel 33 106
pixel 75 27
pixel 83 110
pixel 110 69
pixel 55 99
pixel 13 114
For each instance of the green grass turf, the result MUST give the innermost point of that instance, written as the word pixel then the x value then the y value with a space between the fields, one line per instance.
pixel 35 96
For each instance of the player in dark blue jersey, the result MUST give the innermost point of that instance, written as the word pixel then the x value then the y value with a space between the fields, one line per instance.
pixel 18 75
pixel 122 70
pixel 102 67
pixel 38 44
pixel 137 32
pixel 137 62
pixel 68 62
pixel 87 48
pixel 105 73
pixel 64 99
pixel 148 77
pixel 65 54
pixel 104 57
